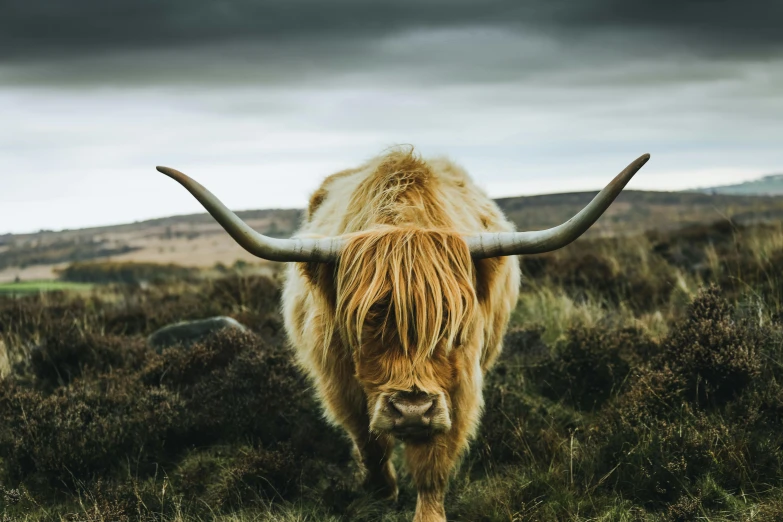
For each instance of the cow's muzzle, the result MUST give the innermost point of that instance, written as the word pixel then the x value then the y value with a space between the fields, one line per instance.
pixel 411 415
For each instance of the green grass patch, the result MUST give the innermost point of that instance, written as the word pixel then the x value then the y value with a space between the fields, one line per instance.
pixel 34 287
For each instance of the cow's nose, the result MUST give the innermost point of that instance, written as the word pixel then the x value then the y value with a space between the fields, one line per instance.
pixel 412 412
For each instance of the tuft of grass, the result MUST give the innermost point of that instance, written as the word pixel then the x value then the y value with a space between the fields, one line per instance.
pixel 5 361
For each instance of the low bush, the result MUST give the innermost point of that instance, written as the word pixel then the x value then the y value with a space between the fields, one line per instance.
pixel 125 272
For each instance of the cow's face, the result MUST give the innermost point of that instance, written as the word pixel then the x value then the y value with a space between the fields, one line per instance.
pixel 407 396
pixel 407 308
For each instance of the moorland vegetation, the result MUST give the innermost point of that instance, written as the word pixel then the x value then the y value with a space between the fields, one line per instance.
pixel 639 382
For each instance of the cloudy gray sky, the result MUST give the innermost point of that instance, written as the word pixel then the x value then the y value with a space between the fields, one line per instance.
pixel 259 100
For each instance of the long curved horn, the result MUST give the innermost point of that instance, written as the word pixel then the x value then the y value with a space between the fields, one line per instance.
pixel 515 243
pixel 295 249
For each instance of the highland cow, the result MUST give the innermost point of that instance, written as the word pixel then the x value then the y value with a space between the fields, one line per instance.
pixel 401 282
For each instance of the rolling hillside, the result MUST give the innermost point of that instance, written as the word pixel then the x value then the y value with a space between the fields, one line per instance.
pixel 197 240
pixel 766 186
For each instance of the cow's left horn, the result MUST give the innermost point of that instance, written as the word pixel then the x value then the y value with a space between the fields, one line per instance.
pixel 294 249
pixel 514 243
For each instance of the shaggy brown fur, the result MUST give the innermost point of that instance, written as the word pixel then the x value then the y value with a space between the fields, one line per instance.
pixel 405 308
pixel 417 285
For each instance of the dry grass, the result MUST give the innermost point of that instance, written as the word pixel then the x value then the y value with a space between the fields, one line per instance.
pixel 5 361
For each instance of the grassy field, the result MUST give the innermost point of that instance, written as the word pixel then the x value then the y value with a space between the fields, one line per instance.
pixel 641 381
pixel 34 287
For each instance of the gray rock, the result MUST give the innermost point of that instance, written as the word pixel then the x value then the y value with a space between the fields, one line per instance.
pixel 187 333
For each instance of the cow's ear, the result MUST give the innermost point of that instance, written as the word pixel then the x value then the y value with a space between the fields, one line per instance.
pixel 322 276
pixel 487 271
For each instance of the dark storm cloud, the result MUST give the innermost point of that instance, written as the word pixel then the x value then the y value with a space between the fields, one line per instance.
pixel 54 28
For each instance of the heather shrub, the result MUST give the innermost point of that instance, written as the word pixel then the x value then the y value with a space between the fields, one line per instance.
pixel 591 364
pixel 716 354
pixel 695 411
pixel 82 430
pixel 243 475
pixel 65 355
pixel 245 292
pixel 251 299
pixel 237 387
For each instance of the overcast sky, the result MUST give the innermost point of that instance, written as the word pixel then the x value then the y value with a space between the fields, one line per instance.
pixel 259 100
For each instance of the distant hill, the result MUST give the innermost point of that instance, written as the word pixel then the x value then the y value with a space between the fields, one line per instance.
pixel 197 240
pixel 636 211
pixel 766 186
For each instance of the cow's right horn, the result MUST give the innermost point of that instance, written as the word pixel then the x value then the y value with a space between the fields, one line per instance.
pixel 295 249
pixel 495 244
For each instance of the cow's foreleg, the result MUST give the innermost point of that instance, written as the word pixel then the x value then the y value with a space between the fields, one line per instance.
pixel 346 406
pixel 373 453
pixel 431 463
